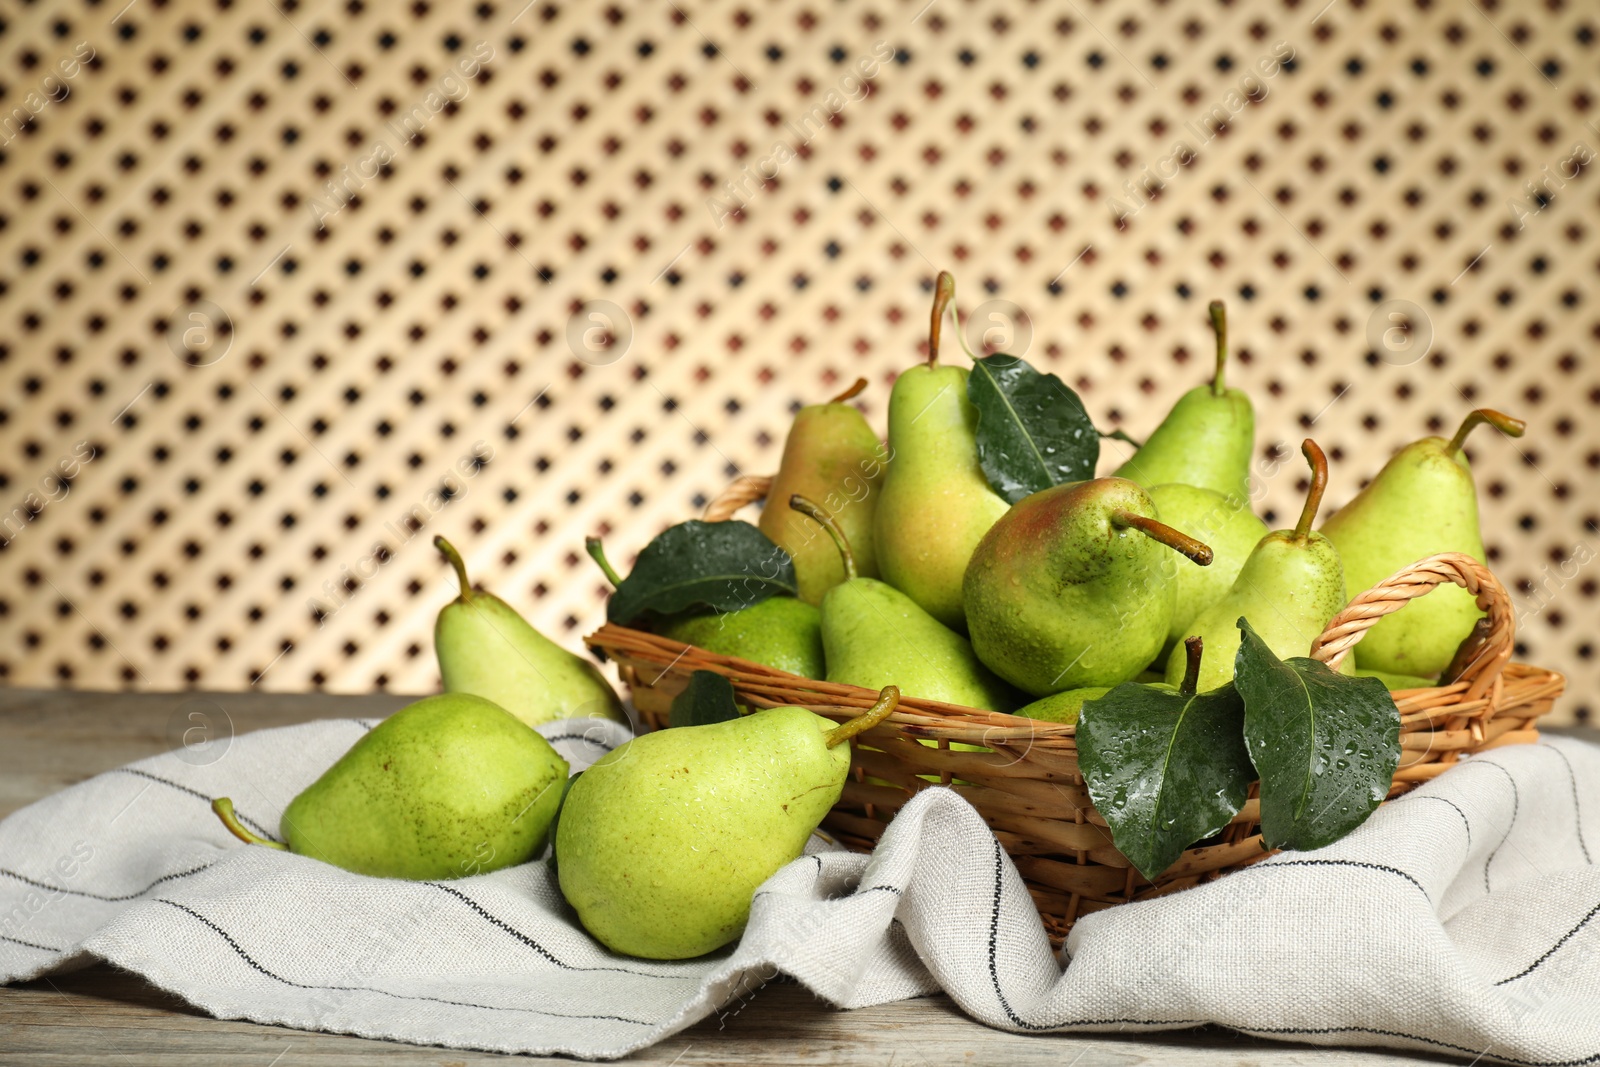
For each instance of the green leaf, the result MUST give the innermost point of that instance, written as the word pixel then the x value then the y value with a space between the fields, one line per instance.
pixel 1326 745
pixel 1166 770
pixel 1032 430
pixel 707 699
pixel 721 565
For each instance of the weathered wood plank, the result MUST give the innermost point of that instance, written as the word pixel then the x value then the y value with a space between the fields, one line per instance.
pixel 50 739
pixel 108 1016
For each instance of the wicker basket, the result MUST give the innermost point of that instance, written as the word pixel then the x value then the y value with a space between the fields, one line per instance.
pixel 1027 786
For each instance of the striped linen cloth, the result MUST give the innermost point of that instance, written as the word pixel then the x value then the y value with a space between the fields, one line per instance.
pixel 1460 919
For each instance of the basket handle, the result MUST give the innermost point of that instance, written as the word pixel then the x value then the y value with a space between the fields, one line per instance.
pixel 1344 630
pixel 745 489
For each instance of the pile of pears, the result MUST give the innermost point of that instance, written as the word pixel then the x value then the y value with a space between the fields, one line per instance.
pixel 662 842
pixel 912 576
pixel 913 570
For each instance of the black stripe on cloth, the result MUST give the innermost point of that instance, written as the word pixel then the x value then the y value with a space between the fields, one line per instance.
pixel 579 737
pixel 994 970
pixel 97 896
pixel 29 944
pixel 1577 809
pixel 1593 1057
pixel 541 950
pixel 896 890
pixel 242 954
pixel 251 823
pixel 1552 949
pixel 1516 802
pixel 994 941
pixel 1384 867
pixel 1414 798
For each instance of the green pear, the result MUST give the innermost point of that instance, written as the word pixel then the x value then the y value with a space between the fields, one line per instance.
pixel 1396 682
pixel 872 633
pixel 936 504
pixel 832 456
pixel 665 840
pixel 779 632
pixel 1065 707
pixel 1070 588
pixel 1422 503
pixel 1225 524
pixel 485 648
pixel 1289 588
pixel 447 787
pixel 1206 439
pixel 1062 707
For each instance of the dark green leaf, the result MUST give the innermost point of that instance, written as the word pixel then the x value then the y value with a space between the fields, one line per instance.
pixel 720 565
pixel 1166 770
pixel 1032 430
pixel 708 699
pixel 1326 745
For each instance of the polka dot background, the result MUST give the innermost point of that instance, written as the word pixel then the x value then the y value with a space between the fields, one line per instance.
pixel 288 288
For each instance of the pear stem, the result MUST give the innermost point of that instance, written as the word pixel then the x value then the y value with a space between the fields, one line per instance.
pixel 1196 550
pixel 850 393
pixel 826 521
pixel 944 291
pixel 458 563
pixel 1219 326
pixel 1192 647
pixel 597 553
pixel 1319 483
pixel 888 700
pixel 1504 423
pixel 224 809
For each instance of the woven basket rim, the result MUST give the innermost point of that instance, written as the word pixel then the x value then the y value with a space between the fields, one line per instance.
pixel 753 680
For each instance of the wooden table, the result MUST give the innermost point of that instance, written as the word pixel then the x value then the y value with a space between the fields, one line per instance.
pixel 50 740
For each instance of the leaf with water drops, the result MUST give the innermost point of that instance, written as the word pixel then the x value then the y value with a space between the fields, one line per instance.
pixel 723 566
pixel 1165 769
pixel 1326 745
pixel 1032 430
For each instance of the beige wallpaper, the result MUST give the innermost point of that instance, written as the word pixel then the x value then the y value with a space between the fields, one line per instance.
pixel 288 288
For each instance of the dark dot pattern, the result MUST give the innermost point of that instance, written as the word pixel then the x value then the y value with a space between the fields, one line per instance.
pixel 401 210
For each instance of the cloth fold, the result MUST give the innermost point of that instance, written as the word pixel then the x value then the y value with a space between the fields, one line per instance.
pixel 1460 919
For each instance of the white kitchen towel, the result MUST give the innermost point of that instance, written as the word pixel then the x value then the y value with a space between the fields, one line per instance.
pixel 1459 919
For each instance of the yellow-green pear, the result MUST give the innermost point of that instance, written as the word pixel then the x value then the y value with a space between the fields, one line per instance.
pixel 664 841
pixel 447 787
pixel 485 648
pixel 780 632
pixel 833 457
pixel 1062 707
pixel 1206 439
pixel 1422 503
pixel 1397 682
pixel 936 503
pixel 1227 525
pixel 873 635
pixel 1289 588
